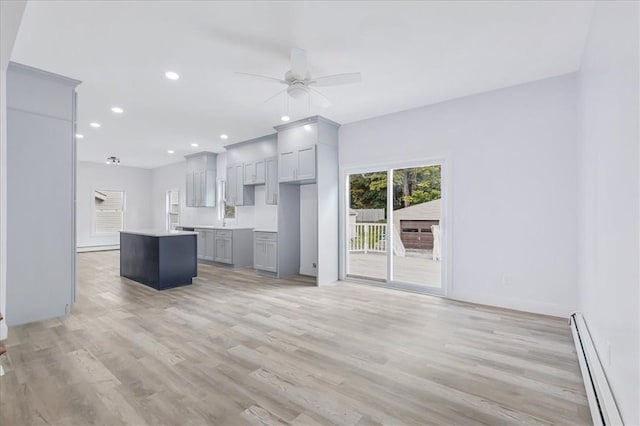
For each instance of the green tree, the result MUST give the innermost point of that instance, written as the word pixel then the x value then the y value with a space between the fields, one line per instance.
pixel 421 184
pixel 410 186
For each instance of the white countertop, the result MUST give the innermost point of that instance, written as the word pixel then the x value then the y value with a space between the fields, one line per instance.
pixel 157 232
pixel 231 227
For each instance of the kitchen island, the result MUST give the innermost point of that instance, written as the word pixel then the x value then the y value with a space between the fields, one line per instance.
pixel 159 259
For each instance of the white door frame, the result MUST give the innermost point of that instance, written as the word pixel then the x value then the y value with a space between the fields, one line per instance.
pixel 446 228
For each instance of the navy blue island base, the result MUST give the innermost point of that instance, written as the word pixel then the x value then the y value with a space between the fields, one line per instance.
pixel 160 260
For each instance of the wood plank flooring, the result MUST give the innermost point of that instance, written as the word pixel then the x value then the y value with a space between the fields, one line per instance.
pixel 237 348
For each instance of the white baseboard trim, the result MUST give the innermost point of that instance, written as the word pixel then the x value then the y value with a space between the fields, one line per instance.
pixel 97 248
pixel 604 410
pixel 514 304
pixel 4 330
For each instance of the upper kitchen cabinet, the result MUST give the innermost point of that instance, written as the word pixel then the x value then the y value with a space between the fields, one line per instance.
pixel 254 172
pixel 297 165
pixel 237 193
pixel 201 179
pixel 271 180
pixel 250 164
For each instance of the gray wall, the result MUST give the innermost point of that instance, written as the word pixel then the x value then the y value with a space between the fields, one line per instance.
pixel 609 198
pixel 512 176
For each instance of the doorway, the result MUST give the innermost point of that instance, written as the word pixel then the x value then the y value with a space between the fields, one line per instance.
pixel 394 226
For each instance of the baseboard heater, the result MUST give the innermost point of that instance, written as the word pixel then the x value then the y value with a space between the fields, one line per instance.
pixel 604 410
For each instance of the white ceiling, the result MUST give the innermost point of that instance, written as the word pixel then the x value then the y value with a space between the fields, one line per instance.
pixel 410 54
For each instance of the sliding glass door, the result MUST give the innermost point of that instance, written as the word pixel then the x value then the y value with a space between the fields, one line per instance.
pixel 416 227
pixel 367 226
pixel 394 231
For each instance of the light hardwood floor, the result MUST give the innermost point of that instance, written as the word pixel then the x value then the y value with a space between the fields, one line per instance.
pixel 238 348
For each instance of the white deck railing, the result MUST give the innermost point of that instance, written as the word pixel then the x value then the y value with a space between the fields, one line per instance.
pixel 368 237
pixel 372 237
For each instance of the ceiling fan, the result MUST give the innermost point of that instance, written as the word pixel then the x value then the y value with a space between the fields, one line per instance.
pixel 300 83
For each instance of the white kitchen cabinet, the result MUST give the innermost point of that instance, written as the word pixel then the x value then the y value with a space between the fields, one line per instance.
pixel 201 179
pixel 223 246
pixel 271 180
pixel 237 193
pixel 297 165
pixel 306 164
pixel 205 244
pixel 287 165
pixel 254 173
pixel 190 202
pixel 265 251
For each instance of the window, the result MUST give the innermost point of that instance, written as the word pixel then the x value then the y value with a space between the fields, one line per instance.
pixel 173 210
pixel 108 211
pixel 224 211
pixel 229 212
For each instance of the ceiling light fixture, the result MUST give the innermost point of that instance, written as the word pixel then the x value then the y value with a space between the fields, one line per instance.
pixel 171 75
pixel 79 136
pixel 171 151
pixel 117 110
pixel 113 160
pixel 285 118
pixel 223 136
pixel 94 125
pixel 195 145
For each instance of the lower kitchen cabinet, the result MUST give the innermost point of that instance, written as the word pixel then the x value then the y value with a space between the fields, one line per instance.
pixel 224 245
pixel 265 251
pixel 205 243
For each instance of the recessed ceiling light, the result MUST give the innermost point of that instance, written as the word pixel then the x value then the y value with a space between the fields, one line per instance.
pixel 171 151
pixel 79 136
pixel 117 110
pixel 195 145
pixel 94 125
pixel 285 118
pixel 171 75
pixel 223 136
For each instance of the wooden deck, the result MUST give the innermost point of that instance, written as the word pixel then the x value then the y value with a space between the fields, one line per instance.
pixel 413 268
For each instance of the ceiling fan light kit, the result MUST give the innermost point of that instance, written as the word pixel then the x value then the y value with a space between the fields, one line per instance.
pixel 299 82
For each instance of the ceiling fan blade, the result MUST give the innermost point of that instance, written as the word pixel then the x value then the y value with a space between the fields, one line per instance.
pixel 261 77
pixel 299 66
pixel 323 101
pixel 271 97
pixel 337 79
